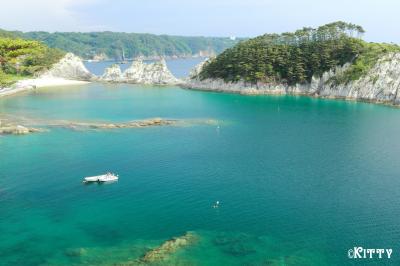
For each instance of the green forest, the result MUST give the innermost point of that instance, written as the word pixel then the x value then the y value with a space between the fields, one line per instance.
pixel 24 58
pixel 115 44
pixel 296 57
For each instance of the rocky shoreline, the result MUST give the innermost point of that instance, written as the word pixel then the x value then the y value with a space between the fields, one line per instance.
pixel 70 70
pixel 381 85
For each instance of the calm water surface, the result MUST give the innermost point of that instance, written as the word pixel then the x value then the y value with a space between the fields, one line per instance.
pixel 300 180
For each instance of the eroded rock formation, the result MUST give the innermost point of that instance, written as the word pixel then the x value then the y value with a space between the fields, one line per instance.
pixel 69 67
pixel 140 73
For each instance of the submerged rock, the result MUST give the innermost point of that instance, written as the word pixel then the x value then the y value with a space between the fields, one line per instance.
pixel 17 130
pixel 235 245
pixel 131 124
pixel 140 73
pixel 76 252
pixel 69 67
pixel 169 247
pixel 19 125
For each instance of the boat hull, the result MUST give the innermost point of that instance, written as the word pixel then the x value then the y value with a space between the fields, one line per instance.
pixel 101 178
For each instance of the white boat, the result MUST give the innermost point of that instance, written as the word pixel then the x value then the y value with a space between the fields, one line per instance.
pixel 108 177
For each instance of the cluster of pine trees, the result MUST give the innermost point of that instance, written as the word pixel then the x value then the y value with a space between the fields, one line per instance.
pixel 292 58
pixel 20 58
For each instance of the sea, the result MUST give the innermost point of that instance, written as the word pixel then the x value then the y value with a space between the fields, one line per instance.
pixel 253 180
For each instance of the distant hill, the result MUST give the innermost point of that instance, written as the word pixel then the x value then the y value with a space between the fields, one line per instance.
pixel 116 45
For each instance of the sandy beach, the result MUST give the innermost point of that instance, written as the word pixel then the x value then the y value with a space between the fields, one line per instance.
pixel 29 84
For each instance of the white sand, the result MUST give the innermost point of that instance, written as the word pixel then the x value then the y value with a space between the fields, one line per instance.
pixel 29 84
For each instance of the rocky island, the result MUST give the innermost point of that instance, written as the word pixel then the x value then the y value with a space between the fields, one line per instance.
pixel 326 62
pixel 140 73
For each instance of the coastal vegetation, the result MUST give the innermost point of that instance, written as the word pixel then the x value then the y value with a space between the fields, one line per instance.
pixel 291 58
pixel 119 45
pixel 23 58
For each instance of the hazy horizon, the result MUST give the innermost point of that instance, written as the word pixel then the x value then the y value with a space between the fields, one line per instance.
pixel 206 18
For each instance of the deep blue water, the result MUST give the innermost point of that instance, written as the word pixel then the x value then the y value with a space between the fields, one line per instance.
pixel 300 180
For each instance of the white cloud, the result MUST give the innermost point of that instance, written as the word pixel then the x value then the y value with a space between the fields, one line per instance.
pixel 49 15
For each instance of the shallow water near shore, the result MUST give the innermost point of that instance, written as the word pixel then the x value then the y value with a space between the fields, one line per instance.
pixel 300 180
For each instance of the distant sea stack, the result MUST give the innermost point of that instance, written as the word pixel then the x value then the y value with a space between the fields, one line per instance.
pixel 140 73
pixel 324 62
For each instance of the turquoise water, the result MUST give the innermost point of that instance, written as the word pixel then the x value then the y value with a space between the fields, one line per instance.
pixel 300 180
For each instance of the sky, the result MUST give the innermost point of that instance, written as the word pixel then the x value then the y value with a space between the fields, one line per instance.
pixel 241 18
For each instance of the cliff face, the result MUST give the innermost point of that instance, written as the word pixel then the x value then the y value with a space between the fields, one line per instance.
pixel 381 84
pixel 141 73
pixel 69 67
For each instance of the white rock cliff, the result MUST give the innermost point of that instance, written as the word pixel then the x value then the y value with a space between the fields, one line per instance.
pixel 155 73
pixel 69 67
pixel 381 84
pixel 112 74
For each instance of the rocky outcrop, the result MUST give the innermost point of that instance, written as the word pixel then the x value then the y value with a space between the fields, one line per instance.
pixel 11 129
pixel 70 70
pixel 169 247
pixel 112 74
pixel 140 73
pixel 194 73
pixel 152 122
pixel 69 67
pixel 380 85
pixel 17 125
